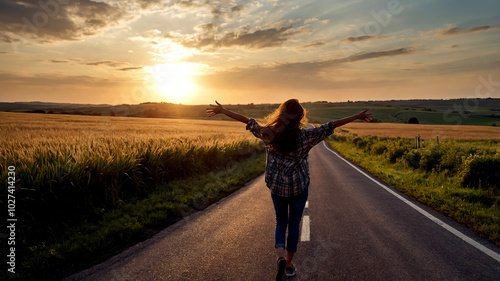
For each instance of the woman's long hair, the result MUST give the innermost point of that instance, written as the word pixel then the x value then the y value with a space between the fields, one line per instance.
pixel 282 130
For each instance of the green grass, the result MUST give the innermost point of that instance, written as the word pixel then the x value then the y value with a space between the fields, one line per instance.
pixel 436 176
pixel 401 115
pixel 448 118
pixel 93 241
pixel 322 115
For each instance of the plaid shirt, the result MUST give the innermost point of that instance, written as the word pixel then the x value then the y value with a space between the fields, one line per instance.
pixel 287 175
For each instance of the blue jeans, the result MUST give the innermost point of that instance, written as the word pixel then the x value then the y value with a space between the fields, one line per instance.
pixel 288 213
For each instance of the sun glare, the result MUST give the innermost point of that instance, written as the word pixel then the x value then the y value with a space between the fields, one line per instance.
pixel 173 81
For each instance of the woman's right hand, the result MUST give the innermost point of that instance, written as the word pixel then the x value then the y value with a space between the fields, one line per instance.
pixel 214 109
pixel 366 117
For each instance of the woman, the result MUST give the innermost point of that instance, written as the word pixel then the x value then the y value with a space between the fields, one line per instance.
pixel 287 168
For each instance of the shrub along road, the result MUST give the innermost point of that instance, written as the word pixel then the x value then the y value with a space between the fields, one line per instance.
pixel 358 231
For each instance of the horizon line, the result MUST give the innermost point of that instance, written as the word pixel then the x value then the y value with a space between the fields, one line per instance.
pixel 318 101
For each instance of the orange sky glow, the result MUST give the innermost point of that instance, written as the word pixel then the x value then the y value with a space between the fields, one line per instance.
pixel 195 52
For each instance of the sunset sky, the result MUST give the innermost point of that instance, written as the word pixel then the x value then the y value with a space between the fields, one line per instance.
pixel 194 52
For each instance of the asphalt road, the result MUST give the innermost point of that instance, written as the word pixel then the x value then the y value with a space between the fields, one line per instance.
pixel 358 231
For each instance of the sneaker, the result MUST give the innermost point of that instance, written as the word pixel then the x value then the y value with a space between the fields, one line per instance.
pixel 281 276
pixel 290 270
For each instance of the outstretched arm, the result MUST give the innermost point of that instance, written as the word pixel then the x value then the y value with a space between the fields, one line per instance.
pixel 366 117
pixel 217 109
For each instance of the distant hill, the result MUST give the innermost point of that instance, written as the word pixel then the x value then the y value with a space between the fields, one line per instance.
pixel 445 112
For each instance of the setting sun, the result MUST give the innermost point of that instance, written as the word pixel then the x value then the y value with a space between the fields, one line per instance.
pixel 173 81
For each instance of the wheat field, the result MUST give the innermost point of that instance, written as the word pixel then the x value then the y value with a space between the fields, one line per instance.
pixel 28 136
pixel 393 130
pixel 68 163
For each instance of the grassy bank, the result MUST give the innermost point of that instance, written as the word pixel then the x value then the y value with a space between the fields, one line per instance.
pixel 460 178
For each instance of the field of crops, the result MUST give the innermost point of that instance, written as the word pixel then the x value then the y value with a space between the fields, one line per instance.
pixel 72 169
pixel 102 160
pixel 393 130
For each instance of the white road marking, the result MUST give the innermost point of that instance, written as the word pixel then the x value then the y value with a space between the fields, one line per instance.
pixel 305 234
pixel 457 233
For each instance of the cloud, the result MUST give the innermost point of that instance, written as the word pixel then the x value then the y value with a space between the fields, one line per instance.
pixel 237 8
pixel 306 75
pixel 47 21
pixel 130 68
pixel 217 8
pixel 59 61
pixel 453 30
pixel 314 44
pixel 105 62
pixel 360 38
pixel 379 54
pixel 257 39
pixel 146 4
pixel 43 21
pixel 119 65
pixel 310 20
pixel 349 39
pixel 46 79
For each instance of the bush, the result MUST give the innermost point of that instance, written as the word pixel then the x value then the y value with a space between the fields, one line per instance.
pixel 413 120
pixel 413 158
pixel 397 148
pixel 451 158
pixel 431 159
pixel 481 171
pixel 360 142
pixel 378 148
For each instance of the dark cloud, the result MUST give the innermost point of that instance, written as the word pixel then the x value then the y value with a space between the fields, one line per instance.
pixel 46 21
pixel 105 62
pixel 36 21
pixel 378 54
pixel 361 38
pixel 258 39
pixel 237 8
pixel 119 65
pixel 315 44
pixel 453 30
pixel 37 80
pixel 218 8
pixel 318 66
pixel 130 68
pixel 349 39
pixel 205 27
pixel 146 4
pixel 300 75
pixel 59 61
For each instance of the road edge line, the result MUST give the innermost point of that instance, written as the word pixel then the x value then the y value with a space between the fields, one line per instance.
pixel 439 222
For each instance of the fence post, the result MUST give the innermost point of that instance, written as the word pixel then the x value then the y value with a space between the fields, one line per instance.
pixel 437 139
